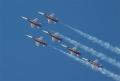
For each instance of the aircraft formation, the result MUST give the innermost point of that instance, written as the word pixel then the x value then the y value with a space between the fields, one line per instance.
pixel 55 36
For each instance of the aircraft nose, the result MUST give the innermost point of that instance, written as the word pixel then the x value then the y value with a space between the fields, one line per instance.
pixel 41 13
pixel 64 45
pixel 44 31
pixel 29 36
pixel 24 17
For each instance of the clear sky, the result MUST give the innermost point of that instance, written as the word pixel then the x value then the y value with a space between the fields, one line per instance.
pixel 22 60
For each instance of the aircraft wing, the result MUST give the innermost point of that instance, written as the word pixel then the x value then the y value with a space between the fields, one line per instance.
pixel 74 48
pixel 71 53
pixel 51 15
pixel 53 39
pixel 56 34
pixel 32 25
pixel 96 61
pixel 37 43
pixel 41 38
pixel 92 67
pixel 35 20
pixel 49 21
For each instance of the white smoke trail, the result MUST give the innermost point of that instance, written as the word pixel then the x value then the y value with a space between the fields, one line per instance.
pixel 92 51
pixel 96 40
pixel 102 70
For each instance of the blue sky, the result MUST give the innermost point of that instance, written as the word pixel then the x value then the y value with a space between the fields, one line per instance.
pixel 21 60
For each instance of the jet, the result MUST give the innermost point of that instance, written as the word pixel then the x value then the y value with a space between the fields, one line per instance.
pixel 94 63
pixel 72 50
pixel 33 22
pixel 38 40
pixel 50 17
pixel 54 36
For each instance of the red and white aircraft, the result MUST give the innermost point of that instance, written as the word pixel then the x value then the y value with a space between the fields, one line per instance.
pixel 54 36
pixel 38 40
pixel 72 50
pixel 33 22
pixel 50 17
pixel 94 63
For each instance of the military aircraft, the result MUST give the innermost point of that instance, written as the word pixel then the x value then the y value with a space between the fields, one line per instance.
pixel 72 50
pixel 50 17
pixel 33 22
pixel 54 36
pixel 94 63
pixel 38 40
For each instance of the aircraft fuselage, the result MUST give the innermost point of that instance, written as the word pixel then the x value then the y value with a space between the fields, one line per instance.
pixel 41 42
pixel 35 23
pixel 56 37
pixel 95 64
pixel 74 51
pixel 51 18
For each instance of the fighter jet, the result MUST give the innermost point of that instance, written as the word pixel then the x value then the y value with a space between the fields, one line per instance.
pixel 94 63
pixel 54 36
pixel 50 17
pixel 33 22
pixel 38 40
pixel 72 50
